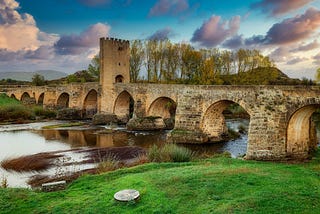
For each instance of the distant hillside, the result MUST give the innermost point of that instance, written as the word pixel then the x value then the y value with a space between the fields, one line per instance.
pixel 262 76
pixel 27 76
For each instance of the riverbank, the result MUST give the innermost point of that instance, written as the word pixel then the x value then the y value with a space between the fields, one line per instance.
pixel 215 185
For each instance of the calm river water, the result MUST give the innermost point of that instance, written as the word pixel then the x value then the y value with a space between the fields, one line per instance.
pixel 27 139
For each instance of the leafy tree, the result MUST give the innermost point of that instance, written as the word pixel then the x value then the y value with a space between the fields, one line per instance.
pixel 136 59
pixel 94 67
pixel 38 80
pixel 318 75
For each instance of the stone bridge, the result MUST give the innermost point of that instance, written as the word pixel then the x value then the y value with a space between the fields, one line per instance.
pixel 79 96
pixel 280 124
pixel 280 116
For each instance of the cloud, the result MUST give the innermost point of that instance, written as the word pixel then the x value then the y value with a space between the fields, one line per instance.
pixel 169 7
pixel 94 3
pixel 280 54
pixel 9 14
pixel 214 31
pixel 316 59
pixel 296 60
pixel 6 55
pixel 279 7
pixel 290 30
pixel 42 53
pixel 77 44
pixel 311 46
pixel 235 42
pixel 162 34
pixel 19 31
pixel 294 29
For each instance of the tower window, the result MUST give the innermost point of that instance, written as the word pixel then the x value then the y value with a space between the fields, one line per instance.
pixel 119 79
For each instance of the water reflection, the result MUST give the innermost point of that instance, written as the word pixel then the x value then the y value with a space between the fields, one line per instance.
pixel 93 138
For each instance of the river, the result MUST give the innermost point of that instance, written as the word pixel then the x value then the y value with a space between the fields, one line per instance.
pixel 28 139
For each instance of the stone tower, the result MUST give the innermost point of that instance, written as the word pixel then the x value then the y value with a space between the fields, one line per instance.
pixel 114 68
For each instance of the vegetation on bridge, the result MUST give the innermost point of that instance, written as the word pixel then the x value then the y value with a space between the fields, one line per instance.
pixel 12 110
pixel 215 185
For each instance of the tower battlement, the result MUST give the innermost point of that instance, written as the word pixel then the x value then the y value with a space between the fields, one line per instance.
pixel 115 40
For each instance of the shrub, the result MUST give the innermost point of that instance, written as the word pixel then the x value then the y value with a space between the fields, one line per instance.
pixel 178 153
pixel 4 182
pixel 44 113
pixel 108 163
pixel 154 154
pixel 15 111
pixel 169 153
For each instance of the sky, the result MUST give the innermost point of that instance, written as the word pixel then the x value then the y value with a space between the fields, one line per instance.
pixel 64 35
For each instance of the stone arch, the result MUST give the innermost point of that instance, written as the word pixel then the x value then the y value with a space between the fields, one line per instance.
pixel 119 79
pixel 63 100
pixel 213 122
pixel 163 107
pixel 40 99
pixel 90 104
pixel 27 99
pixel 301 137
pixel 124 106
pixel 13 96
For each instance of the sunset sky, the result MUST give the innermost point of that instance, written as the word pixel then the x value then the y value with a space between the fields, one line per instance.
pixel 63 34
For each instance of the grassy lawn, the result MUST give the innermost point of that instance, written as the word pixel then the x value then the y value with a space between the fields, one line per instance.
pixel 216 185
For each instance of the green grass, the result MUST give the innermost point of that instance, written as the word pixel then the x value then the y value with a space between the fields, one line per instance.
pixel 13 110
pixel 216 185
pixel 5 100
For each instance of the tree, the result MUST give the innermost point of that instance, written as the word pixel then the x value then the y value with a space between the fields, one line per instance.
pixel 318 76
pixel 94 67
pixel 38 80
pixel 136 59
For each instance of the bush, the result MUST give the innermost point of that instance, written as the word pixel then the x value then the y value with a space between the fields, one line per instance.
pixel 170 153
pixel 44 113
pixel 108 163
pixel 13 112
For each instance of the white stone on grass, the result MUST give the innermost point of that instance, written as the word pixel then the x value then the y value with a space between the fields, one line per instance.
pixel 127 195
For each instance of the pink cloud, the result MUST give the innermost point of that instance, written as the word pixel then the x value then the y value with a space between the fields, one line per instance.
pixel 307 47
pixel 296 60
pixel 214 31
pixel 294 29
pixel 76 44
pixel 316 59
pixel 279 7
pixel 171 7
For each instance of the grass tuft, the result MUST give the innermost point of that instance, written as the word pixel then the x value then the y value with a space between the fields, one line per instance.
pixel 170 153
